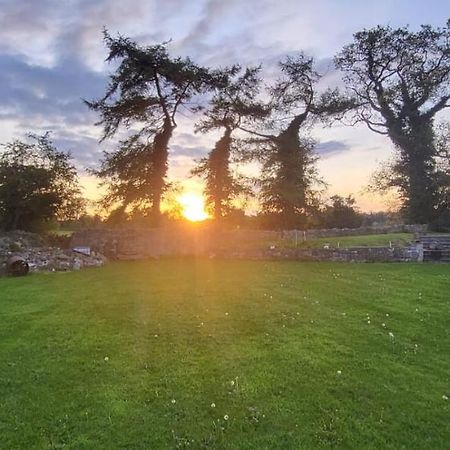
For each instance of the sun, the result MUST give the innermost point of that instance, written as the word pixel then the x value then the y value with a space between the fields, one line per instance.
pixel 193 207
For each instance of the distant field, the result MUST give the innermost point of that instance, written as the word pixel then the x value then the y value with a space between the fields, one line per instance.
pixel 371 240
pixel 62 232
pixel 368 240
pixel 179 354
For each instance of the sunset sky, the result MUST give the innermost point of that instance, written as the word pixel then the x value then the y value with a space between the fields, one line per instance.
pixel 52 56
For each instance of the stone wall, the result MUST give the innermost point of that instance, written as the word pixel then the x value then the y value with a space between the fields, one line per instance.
pixel 354 254
pixel 135 243
pixel 40 256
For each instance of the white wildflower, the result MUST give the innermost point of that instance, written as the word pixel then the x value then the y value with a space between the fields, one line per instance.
pixel 444 397
pixel 391 335
pixel 226 417
pixel 213 405
pixel 173 401
pixel 106 358
pixel 339 372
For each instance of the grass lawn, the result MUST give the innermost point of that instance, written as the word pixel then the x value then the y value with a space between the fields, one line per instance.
pixel 227 355
pixel 369 240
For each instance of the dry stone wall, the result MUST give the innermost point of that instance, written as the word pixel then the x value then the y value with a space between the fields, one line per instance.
pixel 42 257
pixel 135 243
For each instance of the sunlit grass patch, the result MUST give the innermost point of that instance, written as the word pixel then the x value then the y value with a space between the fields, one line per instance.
pixel 226 355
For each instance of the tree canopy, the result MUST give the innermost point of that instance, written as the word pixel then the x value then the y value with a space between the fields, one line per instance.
pixel 144 96
pixel 233 104
pixel 401 80
pixel 38 184
pixel 286 152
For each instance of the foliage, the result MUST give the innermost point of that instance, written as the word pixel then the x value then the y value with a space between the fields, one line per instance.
pixel 341 213
pixel 38 184
pixel 145 94
pixel 232 104
pixel 288 162
pixel 93 359
pixel 442 177
pixel 401 80
pixel 390 176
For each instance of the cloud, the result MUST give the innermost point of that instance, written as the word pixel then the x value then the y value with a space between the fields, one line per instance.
pixel 192 152
pixel 328 149
pixel 39 99
pixel 52 55
pixel 28 90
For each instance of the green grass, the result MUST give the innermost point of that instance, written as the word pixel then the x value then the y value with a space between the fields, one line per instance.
pixel 133 355
pixel 67 233
pixel 370 240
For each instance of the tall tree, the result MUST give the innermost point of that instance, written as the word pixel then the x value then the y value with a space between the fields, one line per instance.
pixel 401 80
pixel 144 97
pixel 38 184
pixel 288 171
pixel 232 104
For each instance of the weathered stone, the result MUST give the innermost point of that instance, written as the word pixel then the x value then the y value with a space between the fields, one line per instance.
pixel 33 250
pixel 140 243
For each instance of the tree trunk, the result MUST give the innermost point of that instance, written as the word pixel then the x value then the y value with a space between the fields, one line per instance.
pixel 291 174
pixel 160 165
pixel 417 152
pixel 220 165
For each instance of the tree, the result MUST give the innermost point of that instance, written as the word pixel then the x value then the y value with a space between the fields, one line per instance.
pixel 401 80
pixel 37 184
pixel 341 213
pixel 232 104
pixel 288 161
pixel 442 175
pixel 145 94
pixel 390 176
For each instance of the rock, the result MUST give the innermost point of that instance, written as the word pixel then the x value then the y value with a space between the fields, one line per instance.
pixel 40 257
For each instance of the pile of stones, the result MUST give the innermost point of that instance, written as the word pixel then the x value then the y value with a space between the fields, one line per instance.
pixel 42 257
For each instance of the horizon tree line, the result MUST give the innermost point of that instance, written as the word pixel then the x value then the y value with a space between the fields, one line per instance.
pixel 396 82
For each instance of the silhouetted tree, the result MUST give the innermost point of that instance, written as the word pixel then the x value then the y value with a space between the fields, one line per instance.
pixel 390 175
pixel 401 80
pixel 38 184
pixel 288 161
pixel 232 104
pixel 443 170
pixel 145 93
pixel 341 213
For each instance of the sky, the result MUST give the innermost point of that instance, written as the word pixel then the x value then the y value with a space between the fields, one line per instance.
pixel 52 56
